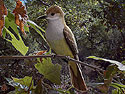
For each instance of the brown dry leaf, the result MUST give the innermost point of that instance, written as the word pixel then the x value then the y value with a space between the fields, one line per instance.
pixel 103 88
pixel 20 15
pixel 41 53
pixel 4 87
pixel 3 12
pixel 104 73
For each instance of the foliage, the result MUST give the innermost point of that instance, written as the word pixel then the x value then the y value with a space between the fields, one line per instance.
pixel 18 44
pixel 120 89
pixel 109 75
pixel 98 26
pixel 15 38
pixel 49 70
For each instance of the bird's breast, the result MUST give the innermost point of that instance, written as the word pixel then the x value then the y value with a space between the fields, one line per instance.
pixel 54 31
pixel 56 40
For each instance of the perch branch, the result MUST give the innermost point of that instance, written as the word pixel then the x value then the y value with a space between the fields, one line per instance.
pixel 51 56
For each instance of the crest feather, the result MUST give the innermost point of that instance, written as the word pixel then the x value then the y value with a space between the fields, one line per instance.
pixel 55 9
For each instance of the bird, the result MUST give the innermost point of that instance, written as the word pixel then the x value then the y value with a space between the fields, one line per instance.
pixel 62 41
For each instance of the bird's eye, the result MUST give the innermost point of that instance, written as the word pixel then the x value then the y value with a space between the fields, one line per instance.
pixel 52 14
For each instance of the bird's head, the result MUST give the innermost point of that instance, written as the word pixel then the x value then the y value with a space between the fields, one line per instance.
pixel 53 13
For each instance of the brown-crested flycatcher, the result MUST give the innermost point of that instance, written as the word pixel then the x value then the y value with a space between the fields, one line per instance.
pixel 62 41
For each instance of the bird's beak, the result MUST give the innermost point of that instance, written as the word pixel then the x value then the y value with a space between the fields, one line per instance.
pixel 42 17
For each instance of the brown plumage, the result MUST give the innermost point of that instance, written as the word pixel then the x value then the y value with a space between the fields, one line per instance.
pixel 77 81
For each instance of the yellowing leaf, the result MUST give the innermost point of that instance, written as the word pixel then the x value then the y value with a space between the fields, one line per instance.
pixel 120 65
pixel 49 70
pixel 117 85
pixel 26 81
pixel 120 88
pixel 18 44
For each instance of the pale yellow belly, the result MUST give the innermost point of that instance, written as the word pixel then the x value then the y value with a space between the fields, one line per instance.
pixel 60 47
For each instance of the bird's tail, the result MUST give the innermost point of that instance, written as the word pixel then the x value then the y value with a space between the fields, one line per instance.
pixel 76 76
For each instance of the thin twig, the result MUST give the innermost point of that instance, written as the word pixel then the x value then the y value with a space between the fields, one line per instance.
pixel 44 3
pixel 85 64
pixel 102 5
pixel 51 56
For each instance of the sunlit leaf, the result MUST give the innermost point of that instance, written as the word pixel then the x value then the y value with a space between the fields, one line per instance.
pixel 120 65
pixel 26 28
pixel 36 27
pixel 118 85
pixel 115 91
pixel 18 44
pixel 26 81
pixel 119 88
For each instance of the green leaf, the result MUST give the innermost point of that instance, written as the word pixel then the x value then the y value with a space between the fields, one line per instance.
pixel 4 32
pixel 120 65
pixel 10 21
pixel 115 91
pixel 26 28
pixel 117 85
pixel 119 88
pixel 49 70
pixel 62 91
pixel 26 81
pixel 7 22
pixel 123 62
pixel 34 25
pixel 18 44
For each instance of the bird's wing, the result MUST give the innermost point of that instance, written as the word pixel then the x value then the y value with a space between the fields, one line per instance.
pixel 70 39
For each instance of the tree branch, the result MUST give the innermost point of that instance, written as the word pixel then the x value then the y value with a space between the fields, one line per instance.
pixel 51 56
